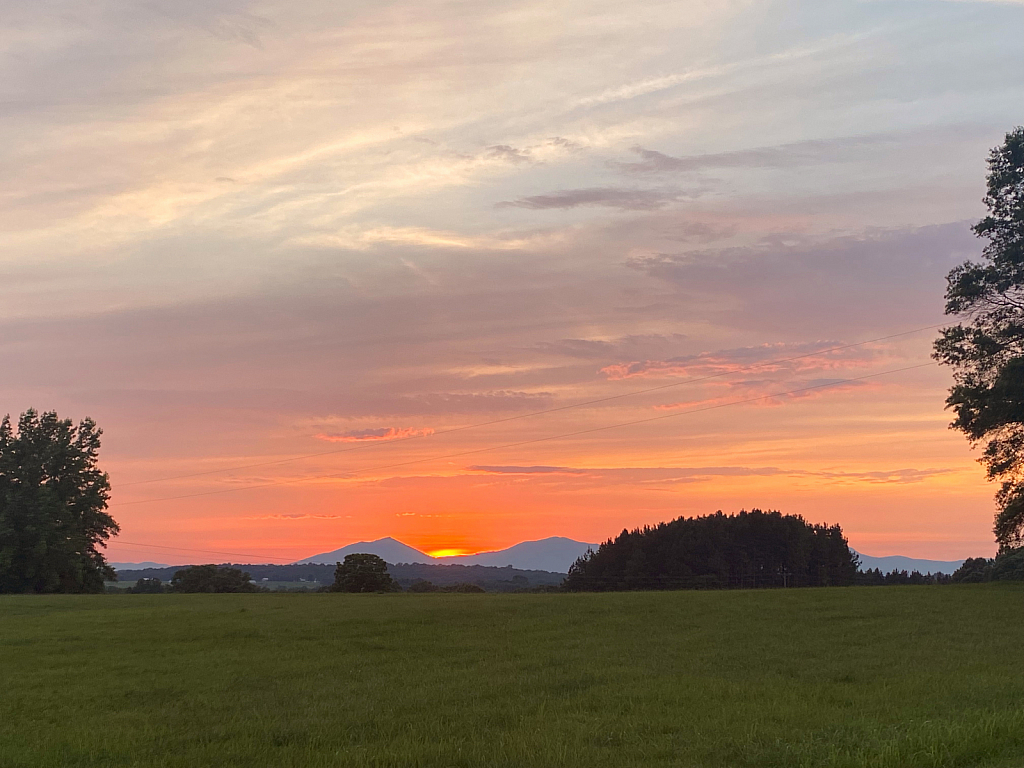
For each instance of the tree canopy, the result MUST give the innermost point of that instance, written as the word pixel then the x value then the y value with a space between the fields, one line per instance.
pixel 212 578
pixel 53 499
pixel 363 573
pixel 749 549
pixel 986 349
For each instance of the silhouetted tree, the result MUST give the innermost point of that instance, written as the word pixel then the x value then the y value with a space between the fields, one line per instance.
pixel 53 499
pixel 147 587
pixel 987 350
pixel 1008 565
pixel 751 549
pixel 212 578
pixel 363 573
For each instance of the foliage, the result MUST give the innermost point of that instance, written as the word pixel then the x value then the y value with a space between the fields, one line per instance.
pixel 212 578
pixel 53 499
pixel 986 351
pixel 363 573
pixel 1008 565
pixel 463 588
pixel 832 678
pixel 147 587
pixel 751 549
pixel 422 585
pixel 873 577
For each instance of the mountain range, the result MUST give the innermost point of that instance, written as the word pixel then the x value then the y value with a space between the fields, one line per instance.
pixel 900 563
pixel 553 554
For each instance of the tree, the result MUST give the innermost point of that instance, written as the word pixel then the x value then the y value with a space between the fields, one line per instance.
pixel 147 587
pixel 986 350
pixel 212 578
pixel 748 550
pixel 53 499
pixel 363 573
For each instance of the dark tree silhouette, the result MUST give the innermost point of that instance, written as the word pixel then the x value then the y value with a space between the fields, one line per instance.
pixel 147 587
pixel 53 499
pixel 363 573
pixel 986 351
pixel 212 578
pixel 748 550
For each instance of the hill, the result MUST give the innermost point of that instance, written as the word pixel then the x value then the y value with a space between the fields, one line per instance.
pixel 554 554
pixel 900 563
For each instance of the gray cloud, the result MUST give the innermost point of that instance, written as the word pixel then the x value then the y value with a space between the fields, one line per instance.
pixel 607 197
pixel 781 156
pixel 887 278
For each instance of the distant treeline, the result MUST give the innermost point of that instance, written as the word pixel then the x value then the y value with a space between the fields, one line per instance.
pixel 748 550
pixel 489 578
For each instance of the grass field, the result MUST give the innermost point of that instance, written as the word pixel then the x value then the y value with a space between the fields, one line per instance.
pixel 915 676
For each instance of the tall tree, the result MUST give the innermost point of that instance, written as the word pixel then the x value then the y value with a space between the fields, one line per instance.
pixel 363 573
pixel 53 499
pixel 986 349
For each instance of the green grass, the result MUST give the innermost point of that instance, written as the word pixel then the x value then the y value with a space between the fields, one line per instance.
pixel 914 676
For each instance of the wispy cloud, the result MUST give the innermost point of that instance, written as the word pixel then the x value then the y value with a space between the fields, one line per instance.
pixel 782 156
pixel 534 470
pixel 606 197
pixel 798 357
pixel 373 435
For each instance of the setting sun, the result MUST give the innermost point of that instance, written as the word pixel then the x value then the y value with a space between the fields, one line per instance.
pixel 447 552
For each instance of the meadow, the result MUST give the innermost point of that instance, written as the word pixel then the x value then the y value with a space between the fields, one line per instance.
pixel 898 676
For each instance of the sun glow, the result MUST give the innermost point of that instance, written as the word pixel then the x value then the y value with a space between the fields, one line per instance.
pixel 447 552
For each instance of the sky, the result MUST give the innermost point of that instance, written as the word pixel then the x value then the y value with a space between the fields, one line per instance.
pixel 327 272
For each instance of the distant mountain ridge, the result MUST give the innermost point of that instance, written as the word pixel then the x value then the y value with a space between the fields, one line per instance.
pixel 554 554
pixel 901 563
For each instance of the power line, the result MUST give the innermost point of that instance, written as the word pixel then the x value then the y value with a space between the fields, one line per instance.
pixel 207 551
pixel 597 401
pixel 534 440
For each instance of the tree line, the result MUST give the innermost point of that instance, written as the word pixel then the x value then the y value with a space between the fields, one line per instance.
pixel 752 550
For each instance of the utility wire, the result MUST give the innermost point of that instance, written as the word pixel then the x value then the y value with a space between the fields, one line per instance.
pixel 532 441
pixel 597 401
pixel 207 551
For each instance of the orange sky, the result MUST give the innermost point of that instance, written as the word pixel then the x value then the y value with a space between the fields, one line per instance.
pixel 238 233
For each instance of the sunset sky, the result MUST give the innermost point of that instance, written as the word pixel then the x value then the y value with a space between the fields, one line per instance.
pixel 238 233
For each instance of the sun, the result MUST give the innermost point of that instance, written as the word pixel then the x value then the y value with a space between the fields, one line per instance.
pixel 446 552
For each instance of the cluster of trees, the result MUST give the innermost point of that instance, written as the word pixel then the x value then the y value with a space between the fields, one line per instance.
pixel 422 585
pixel 874 577
pixel 1007 565
pixel 747 550
pixel 211 578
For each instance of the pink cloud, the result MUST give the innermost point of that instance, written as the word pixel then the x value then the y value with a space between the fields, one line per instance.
pixel 364 435
pixel 766 358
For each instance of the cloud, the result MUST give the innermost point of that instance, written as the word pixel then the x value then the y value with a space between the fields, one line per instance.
pixel 791 281
pixel 372 435
pixel 511 154
pixel 534 470
pixel 770 393
pixel 607 197
pixel 591 349
pixel 304 516
pixel 672 475
pixel 780 156
pixel 790 357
